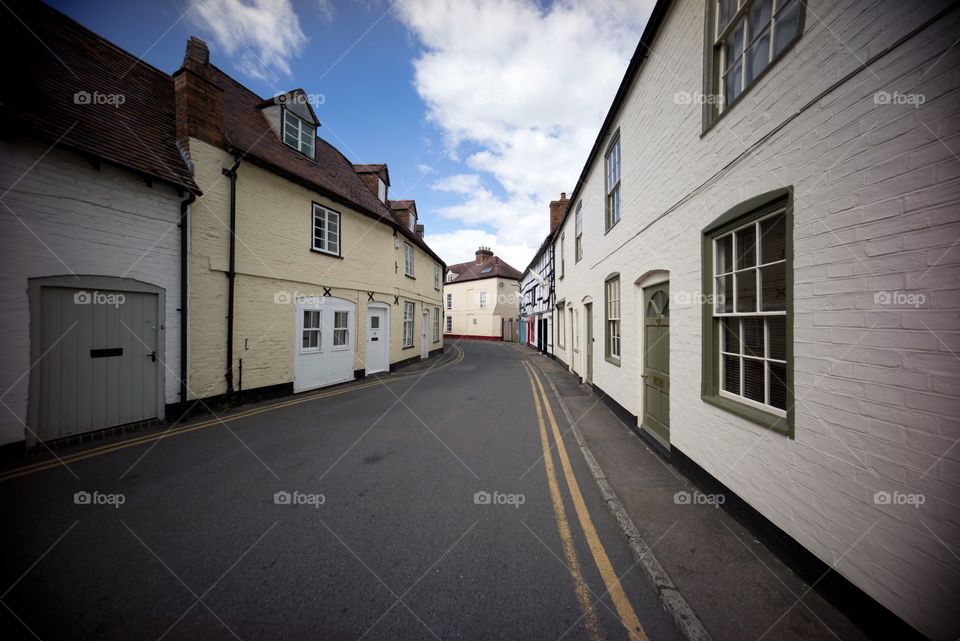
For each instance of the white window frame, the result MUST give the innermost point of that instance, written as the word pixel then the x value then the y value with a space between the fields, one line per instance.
pixel 612 294
pixel 302 131
pixel 449 300
pixel 436 324
pixel 341 330
pixel 612 173
pixel 381 190
pixel 741 355
pixel 408 263
pixel 436 276
pixel 409 310
pixel 578 230
pixel 483 300
pixel 311 329
pixel 561 325
pixel 328 239
pixel 449 325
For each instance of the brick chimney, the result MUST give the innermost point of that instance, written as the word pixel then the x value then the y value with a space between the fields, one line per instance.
pixel 483 253
pixel 557 209
pixel 199 99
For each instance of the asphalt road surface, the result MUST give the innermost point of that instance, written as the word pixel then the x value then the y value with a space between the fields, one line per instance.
pixel 419 506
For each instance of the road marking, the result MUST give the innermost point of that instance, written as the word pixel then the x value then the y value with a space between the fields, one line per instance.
pixel 563 525
pixel 140 440
pixel 628 616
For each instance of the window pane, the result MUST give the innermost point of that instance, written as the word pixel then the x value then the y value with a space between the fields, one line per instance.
pixel 731 374
pixel 777 331
pixel 724 294
pixel 758 55
pixel 725 11
pixel 759 17
pixel 785 26
pixel 773 280
pixel 730 328
pixel 753 336
pixel 778 385
pixel 725 255
pixel 753 387
pixel 747 247
pixel 747 291
pixel 773 239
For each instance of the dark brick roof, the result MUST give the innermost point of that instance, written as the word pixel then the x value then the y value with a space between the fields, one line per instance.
pixel 330 173
pixel 50 70
pixel 473 270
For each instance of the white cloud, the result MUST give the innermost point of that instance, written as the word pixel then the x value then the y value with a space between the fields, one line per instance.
pixel 261 36
pixel 528 85
pixel 461 245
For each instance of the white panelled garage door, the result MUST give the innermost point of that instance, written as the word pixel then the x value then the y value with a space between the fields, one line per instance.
pixel 100 359
pixel 325 342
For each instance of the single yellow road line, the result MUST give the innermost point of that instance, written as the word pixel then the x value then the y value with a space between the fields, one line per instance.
pixel 176 431
pixel 628 616
pixel 560 513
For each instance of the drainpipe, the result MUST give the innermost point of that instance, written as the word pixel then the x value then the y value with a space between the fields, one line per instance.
pixel 184 295
pixel 231 272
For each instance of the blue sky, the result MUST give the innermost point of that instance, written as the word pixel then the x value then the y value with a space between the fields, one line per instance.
pixel 474 105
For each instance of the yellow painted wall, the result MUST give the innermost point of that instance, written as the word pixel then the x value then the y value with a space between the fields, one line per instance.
pixel 274 264
pixel 469 319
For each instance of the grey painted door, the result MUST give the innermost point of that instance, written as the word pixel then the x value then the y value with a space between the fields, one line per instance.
pixel 100 366
pixel 588 317
pixel 425 336
pixel 656 362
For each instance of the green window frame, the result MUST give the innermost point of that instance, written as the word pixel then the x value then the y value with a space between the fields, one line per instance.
pixel 743 39
pixel 611 319
pixel 747 313
pixel 611 165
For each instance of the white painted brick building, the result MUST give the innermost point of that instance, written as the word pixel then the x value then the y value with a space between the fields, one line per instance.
pixel 872 184
pixel 64 218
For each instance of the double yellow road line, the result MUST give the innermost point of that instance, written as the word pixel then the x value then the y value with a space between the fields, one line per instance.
pixel 628 616
pixel 218 420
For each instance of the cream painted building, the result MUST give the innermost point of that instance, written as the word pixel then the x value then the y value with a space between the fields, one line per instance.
pixel 300 274
pixel 481 298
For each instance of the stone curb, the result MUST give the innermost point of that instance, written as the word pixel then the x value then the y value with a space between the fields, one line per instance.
pixel 687 621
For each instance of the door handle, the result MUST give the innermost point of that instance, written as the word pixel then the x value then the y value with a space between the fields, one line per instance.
pixel 152 355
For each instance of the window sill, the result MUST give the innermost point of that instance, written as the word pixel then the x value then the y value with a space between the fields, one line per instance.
pixel 779 424
pixel 325 253
pixel 410 277
pixel 407 347
pixel 608 229
pixel 612 360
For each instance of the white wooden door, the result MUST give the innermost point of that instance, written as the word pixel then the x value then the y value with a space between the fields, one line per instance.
pixel 378 340
pixel 325 343
pixel 424 336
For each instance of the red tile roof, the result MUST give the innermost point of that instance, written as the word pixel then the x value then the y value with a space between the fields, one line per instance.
pixel 330 173
pixel 473 270
pixel 68 85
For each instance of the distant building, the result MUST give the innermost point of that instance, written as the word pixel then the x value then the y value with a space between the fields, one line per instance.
pixel 537 291
pixel 480 298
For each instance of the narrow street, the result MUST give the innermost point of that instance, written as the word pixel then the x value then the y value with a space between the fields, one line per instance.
pixel 418 507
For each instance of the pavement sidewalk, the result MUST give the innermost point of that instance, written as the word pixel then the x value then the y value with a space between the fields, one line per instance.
pixel 737 588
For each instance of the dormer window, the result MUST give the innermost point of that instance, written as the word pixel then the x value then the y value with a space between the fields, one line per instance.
pixel 381 190
pixel 298 133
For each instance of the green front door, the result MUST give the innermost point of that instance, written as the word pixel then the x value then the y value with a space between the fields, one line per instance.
pixel 656 362
pixel 588 314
